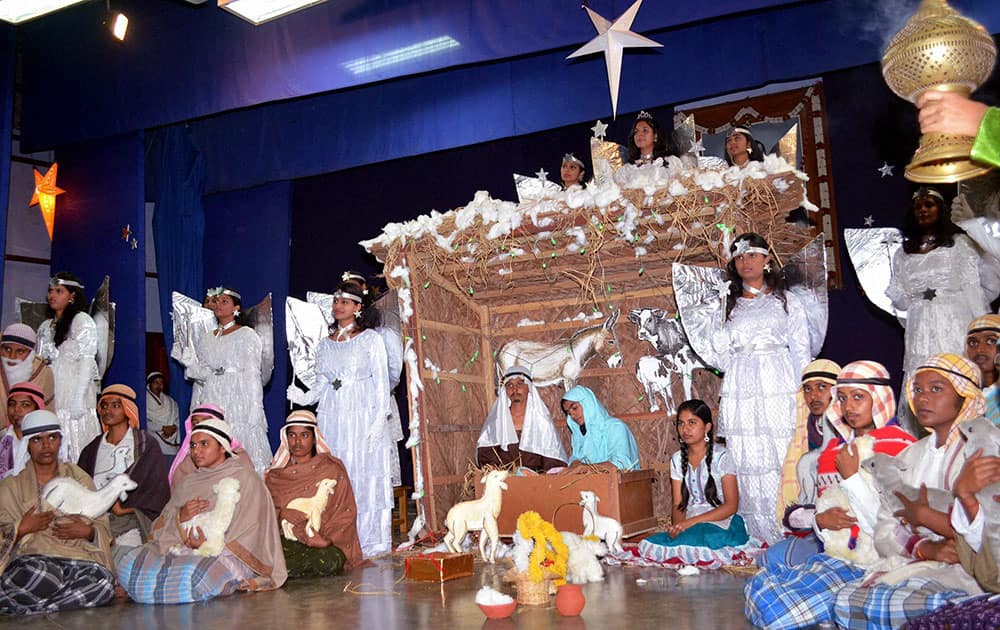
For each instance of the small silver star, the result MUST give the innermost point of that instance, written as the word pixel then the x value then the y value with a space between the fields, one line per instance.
pixel 599 130
pixel 929 294
pixel 134 244
pixel 542 174
pixel 722 288
pixel 697 147
pixel 886 169
pixel 869 221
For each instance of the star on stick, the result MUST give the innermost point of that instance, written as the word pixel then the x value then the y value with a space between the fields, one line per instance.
pixel 886 169
pixel 612 38
pixel 869 221
pixel 542 174
pixel 722 288
pixel 697 147
pixel 599 130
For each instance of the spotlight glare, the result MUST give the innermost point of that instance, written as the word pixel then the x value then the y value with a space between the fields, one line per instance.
pixel 119 26
pixel 17 11
pixel 259 11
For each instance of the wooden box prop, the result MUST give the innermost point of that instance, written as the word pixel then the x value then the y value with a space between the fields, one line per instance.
pixel 438 566
pixel 626 497
pixel 560 270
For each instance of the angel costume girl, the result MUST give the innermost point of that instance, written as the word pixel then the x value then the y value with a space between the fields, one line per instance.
pixel 230 368
pixel 74 366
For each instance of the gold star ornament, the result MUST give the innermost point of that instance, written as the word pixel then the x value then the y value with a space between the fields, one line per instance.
pixel 45 196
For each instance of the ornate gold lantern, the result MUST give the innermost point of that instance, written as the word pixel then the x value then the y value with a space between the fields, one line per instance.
pixel 939 49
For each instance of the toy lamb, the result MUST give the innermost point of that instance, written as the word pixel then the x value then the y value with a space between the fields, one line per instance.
pixel 583 564
pixel 69 497
pixel 603 527
pixel 888 473
pixel 478 515
pixel 215 522
pixel 851 544
pixel 312 507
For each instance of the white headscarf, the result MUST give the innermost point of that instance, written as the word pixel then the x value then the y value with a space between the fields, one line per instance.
pixel 538 434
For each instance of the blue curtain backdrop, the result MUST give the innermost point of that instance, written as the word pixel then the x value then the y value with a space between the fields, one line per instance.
pixel 7 39
pixel 247 247
pixel 104 194
pixel 179 233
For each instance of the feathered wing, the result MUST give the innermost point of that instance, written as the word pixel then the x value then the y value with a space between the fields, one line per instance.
pixel 305 327
pixel 102 311
pixel 700 294
pixel 806 276
pixel 190 321
pixel 261 319
pixel 871 251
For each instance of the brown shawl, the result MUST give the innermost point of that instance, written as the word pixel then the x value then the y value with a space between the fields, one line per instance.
pixel 253 534
pixel 339 519
pixel 19 493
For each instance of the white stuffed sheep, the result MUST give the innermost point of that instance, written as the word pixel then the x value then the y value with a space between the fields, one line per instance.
pixel 66 495
pixel 850 544
pixel 215 522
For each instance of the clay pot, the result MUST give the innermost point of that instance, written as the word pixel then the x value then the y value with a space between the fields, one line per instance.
pixel 500 611
pixel 570 600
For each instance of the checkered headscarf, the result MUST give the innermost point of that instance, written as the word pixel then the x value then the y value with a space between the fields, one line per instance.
pixel 963 375
pixel 872 377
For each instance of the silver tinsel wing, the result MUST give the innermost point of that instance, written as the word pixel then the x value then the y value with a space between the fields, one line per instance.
pixel 806 276
pixel 31 313
pixel 190 321
pixel 388 308
pixel 305 327
pixel 607 157
pixel 324 301
pixel 700 294
pixel 531 188
pixel 871 251
pixel 261 319
pixel 102 311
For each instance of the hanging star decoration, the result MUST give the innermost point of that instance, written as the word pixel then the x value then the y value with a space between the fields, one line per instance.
pixel 885 169
pixel 612 38
pixel 599 129
pixel 127 232
pixel 542 174
pixel 929 294
pixel 45 196
pixel 134 244
pixel 869 221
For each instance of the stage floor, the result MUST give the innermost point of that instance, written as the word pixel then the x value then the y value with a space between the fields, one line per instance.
pixel 710 600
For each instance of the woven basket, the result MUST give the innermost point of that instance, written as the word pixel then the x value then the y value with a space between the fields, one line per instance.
pixel 530 593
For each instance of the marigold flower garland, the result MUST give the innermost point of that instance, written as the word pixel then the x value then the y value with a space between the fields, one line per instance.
pixel 549 551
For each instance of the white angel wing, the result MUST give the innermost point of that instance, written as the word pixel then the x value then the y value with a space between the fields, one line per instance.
pixel 102 311
pixel 261 319
pixel 190 321
pixel 871 251
pixel 531 188
pixel 305 327
pixel 700 294
pixel 806 276
pixel 31 313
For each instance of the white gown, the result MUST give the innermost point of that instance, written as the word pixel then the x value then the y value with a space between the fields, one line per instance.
pixel 352 383
pixel 162 411
pixel 762 351
pixel 941 291
pixel 229 370
pixel 74 367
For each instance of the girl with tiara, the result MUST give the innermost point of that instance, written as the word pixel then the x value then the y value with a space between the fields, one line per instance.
pixel 647 141
pixel 939 278
pixel 352 386
pixel 705 526
pixel 572 172
pixel 741 148
pixel 68 342
pixel 229 368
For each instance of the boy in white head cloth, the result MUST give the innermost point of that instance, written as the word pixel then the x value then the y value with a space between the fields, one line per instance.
pixel 519 428
pixel 20 365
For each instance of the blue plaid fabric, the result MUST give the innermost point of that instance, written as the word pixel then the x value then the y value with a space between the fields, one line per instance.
pixel 783 597
pixel 883 606
pixel 150 577
pixel 35 584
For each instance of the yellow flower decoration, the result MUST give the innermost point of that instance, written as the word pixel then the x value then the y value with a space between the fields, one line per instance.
pixel 548 546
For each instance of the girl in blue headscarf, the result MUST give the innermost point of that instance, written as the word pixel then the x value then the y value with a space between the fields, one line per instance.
pixel 597 437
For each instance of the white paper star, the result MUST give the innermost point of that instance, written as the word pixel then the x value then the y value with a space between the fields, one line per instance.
pixel 869 221
pixel 134 244
pixel 542 174
pixel 722 288
pixel 697 147
pixel 885 169
pixel 612 38
pixel 599 130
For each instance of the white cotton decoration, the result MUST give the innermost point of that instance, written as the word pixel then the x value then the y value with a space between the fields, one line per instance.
pixel 678 246
pixel 529 322
pixel 677 189
pixel 640 251
pixel 503 271
pixel 435 370
pixel 808 205
pixel 780 185
pixel 697 225
pixel 487 596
